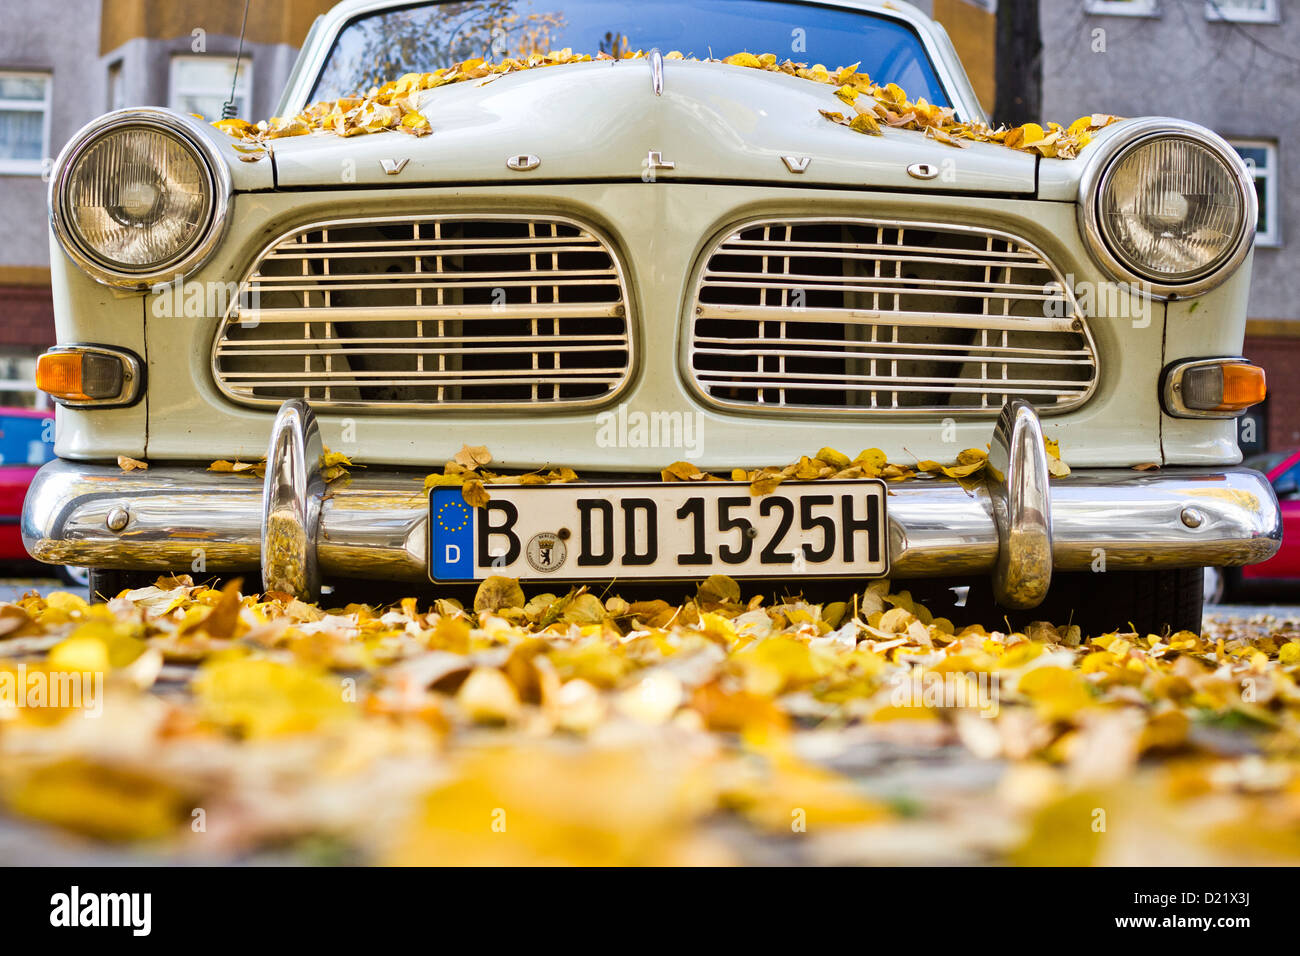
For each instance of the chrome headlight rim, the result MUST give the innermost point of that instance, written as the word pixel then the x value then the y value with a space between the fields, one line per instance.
pixel 1096 176
pixel 196 252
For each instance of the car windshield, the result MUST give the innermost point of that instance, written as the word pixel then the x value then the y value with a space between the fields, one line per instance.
pixel 376 47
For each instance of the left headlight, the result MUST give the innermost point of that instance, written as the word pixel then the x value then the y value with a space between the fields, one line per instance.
pixel 136 197
pixel 1170 205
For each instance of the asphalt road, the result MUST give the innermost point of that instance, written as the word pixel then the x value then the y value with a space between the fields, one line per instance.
pixel 13 588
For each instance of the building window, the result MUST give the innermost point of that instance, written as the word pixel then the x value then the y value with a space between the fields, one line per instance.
pixel 201 84
pixel 1261 160
pixel 1127 8
pixel 17 387
pixel 24 122
pixel 116 91
pixel 1242 11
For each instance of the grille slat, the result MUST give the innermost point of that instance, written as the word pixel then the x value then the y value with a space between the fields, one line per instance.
pixel 439 311
pixel 875 316
pixel 918 285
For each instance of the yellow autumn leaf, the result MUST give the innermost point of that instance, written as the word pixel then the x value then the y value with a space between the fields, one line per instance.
pixel 442 481
pixel 488 697
pixel 473 457
pixel 834 458
pixel 682 471
pixel 475 495
pixel 967 470
pixel 719 589
pixel 260 698
pixel 872 457
pixel 103 802
pixel 249 468
pixel 1058 693
pixel 1031 134
pixel 234 127
pixel 765 482
pixel 865 123
pixel 498 592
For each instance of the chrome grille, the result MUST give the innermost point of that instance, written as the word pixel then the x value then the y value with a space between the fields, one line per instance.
pixel 466 311
pixel 873 316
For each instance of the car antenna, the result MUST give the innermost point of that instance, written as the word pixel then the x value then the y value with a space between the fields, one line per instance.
pixel 228 108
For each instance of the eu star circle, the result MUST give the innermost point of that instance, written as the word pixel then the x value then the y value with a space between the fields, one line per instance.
pixel 453 516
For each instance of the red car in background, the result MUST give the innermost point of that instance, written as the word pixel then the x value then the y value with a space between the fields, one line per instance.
pixel 26 443
pixel 1283 569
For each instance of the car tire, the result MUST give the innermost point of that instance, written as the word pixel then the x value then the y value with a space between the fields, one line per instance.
pixel 108 583
pixel 1216 585
pixel 73 575
pixel 1150 602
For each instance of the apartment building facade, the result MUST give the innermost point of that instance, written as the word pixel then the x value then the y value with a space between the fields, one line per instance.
pixel 61 65
pixel 1232 66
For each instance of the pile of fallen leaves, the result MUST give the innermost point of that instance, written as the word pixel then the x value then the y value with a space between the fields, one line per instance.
pixel 333 466
pixel 831 464
pixel 584 728
pixel 395 105
pixel 468 470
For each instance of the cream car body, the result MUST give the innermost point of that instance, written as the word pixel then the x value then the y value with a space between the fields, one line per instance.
pixel 728 133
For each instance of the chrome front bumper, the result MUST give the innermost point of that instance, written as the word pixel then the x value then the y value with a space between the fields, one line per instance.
pixel 1017 526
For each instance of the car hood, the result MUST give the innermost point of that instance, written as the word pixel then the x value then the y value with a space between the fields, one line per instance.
pixel 601 121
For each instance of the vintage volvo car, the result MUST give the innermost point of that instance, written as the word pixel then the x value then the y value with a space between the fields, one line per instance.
pixel 614 265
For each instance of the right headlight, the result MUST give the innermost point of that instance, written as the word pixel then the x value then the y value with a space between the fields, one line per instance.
pixel 1171 205
pixel 137 197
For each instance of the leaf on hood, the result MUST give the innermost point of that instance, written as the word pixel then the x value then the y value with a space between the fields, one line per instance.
pixel 395 105
pixel 472 457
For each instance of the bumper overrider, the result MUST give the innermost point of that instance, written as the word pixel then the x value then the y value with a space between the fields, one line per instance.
pixel 1017 526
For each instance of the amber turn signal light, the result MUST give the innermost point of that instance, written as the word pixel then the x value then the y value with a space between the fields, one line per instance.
pixel 87 376
pixel 1213 388
pixel 1243 386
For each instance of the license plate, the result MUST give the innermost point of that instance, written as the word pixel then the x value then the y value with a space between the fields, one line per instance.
pixel 658 531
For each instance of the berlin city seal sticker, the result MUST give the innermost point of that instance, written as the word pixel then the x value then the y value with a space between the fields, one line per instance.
pixel 546 552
